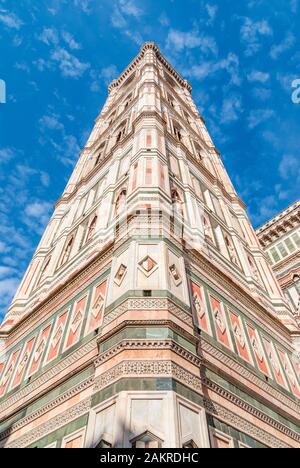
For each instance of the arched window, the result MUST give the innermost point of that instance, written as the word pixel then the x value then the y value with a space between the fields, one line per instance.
pixel 67 251
pixel 121 202
pixel 177 131
pixel 44 270
pixel 92 228
pixel 128 101
pixel 100 153
pixel 187 118
pixel 171 100
pixel 121 132
pixel 177 203
pixel 198 150
pixel 112 118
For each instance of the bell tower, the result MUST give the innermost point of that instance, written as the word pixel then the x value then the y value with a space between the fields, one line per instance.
pixel 149 316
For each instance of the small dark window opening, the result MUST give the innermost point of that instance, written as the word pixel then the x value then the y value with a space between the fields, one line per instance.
pixel 147 293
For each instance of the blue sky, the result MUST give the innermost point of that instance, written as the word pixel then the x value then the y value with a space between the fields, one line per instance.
pixel 57 57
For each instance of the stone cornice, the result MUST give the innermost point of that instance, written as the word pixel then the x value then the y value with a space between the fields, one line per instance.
pixel 280 224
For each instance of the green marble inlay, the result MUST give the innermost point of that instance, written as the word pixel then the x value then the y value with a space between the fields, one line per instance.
pixel 236 435
pixel 59 434
pixel 147 333
pixel 150 384
pixel 249 399
pixel 76 379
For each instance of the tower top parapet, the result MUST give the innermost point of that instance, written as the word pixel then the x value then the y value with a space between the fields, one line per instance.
pixel 132 66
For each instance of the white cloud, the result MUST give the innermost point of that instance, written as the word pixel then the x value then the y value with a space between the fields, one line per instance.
pixel 258 116
pixel 69 39
pixel 230 64
pixel 231 109
pixel 6 271
pixel 252 33
pixel 212 11
pixel 289 167
pixel 70 66
pixel 45 179
pixel 10 20
pixel 178 41
pixel 49 36
pixel 84 5
pixel 164 20
pixel 130 8
pixel 51 122
pixel 106 75
pixel 259 76
pixel 123 10
pixel 286 80
pixel 37 209
pixel 8 288
pixel 266 208
pixel 285 45
pixel 263 94
pixel 6 154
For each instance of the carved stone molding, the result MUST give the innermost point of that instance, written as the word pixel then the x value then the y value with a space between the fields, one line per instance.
pixel 148 304
pixel 138 369
pixel 148 344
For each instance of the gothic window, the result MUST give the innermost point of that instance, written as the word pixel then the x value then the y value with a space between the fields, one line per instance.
pixel 128 101
pixel 44 270
pixel 171 100
pixel 111 118
pixel 100 154
pixel 187 117
pixel 121 202
pixel 147 440
pixel 121 132
pixel 177 203
pixel 198 150
pixel 177 131
pixel 92 228
pixel 67 251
